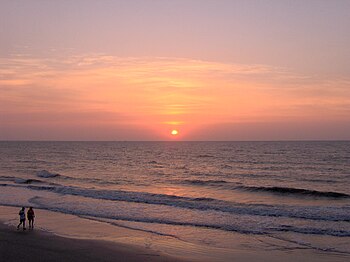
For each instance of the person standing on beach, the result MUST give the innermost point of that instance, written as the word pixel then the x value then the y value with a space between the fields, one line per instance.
pixel 30 216
pixel 22 218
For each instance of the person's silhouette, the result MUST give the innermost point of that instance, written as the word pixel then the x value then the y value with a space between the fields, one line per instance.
pixel 22 218
pixel 30 216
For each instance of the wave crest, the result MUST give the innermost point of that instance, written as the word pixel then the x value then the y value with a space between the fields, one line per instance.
pixel 295 191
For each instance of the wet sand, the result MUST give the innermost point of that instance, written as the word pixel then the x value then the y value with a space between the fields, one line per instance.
pixel 40 246
pixel 62 237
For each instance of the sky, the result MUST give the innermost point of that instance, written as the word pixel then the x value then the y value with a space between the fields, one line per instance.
pixel 211 69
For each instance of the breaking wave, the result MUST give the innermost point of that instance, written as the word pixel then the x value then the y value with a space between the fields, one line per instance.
pixel 295 191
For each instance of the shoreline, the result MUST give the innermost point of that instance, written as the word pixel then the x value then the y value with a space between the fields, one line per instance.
pixel 64 237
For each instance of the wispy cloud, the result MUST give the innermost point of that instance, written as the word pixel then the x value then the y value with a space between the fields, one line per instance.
pixel 155 91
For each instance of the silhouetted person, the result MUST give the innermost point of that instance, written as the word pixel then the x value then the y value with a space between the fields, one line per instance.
pixel 22 218
pixel 30 216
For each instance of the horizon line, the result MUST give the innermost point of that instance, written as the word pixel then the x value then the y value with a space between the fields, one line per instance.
pixel 281 140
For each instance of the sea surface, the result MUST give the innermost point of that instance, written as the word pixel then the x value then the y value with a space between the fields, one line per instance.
pixel 200 192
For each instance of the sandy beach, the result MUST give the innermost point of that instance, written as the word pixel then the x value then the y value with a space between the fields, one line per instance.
pixel 62 237
pixel 39 246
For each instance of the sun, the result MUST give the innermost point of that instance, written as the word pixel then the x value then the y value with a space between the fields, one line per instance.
pixel 174 132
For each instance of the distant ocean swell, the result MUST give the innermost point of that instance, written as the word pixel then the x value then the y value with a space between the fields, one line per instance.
pixel 212 182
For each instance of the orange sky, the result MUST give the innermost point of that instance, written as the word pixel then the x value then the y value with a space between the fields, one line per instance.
pixel 148 97
pixel 69 75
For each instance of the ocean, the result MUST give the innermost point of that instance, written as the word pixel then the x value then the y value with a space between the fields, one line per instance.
pixel 200 192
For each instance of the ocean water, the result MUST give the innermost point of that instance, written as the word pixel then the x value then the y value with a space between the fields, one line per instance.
pixel 200 192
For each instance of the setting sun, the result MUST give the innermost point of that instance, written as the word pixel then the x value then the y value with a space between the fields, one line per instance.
pixel 174 132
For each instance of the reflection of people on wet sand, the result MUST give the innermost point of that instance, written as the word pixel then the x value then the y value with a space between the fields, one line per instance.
pixel 22 218
pixel 30 216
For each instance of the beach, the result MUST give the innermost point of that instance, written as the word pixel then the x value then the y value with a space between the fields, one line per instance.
pixel 58 237
pixel 40 246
